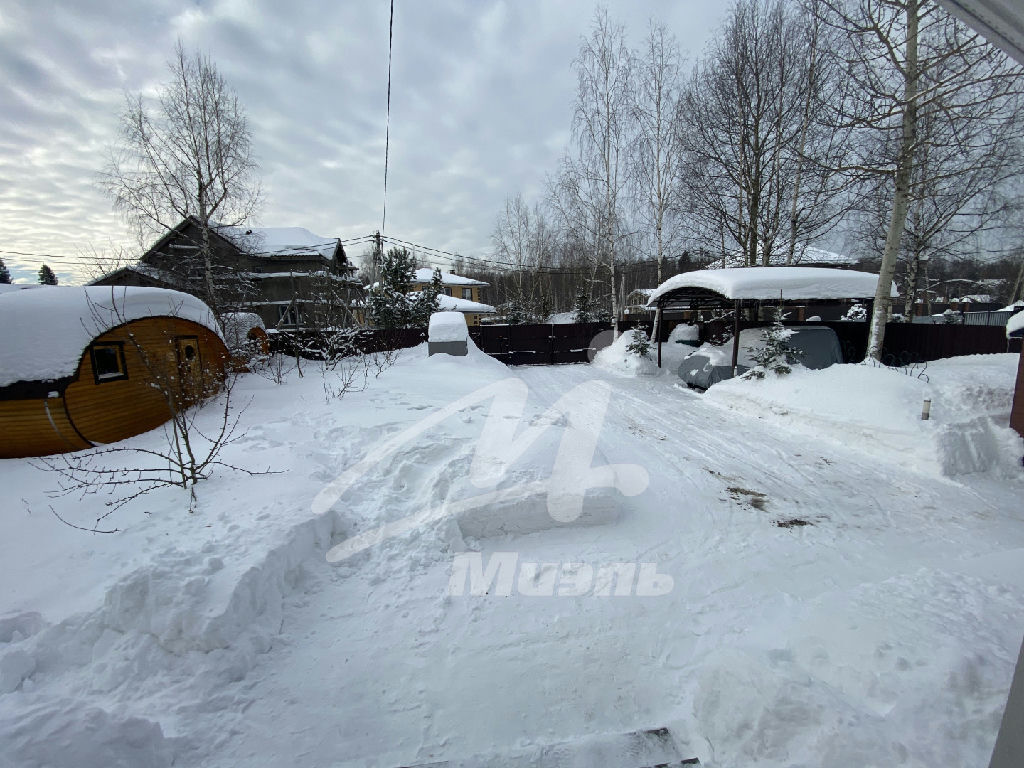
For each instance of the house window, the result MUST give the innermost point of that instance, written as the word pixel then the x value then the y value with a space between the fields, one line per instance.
pixel 289 315
pixel 467 293
pixel 447 291
pixel 108 362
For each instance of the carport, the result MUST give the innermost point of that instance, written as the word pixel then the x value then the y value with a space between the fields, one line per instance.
pixel 748 288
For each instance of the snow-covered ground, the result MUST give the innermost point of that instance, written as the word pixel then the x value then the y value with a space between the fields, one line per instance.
pixel 881 632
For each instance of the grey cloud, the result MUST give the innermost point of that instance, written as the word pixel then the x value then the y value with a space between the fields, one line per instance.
pixel 481 101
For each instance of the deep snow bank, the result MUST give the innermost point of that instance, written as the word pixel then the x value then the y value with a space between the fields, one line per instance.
pixel 115 649
pixel 879 410
pixel 617 358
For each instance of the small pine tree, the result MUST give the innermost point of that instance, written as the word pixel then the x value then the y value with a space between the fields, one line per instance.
pixel 5 274
pixel 774 353
pixel 46 276
pixel 425 303
pixel 389 302
pixel 639 345
pixel 584 308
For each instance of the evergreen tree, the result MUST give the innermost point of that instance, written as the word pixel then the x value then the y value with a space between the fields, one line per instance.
pixel 46 276
pixel 584 308
pixel 391 301
pixel 639 345
pixel 774 353
pixel 5 274
pixel 425 303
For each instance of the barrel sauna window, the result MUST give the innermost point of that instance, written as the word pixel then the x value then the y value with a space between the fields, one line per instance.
pixel 190 367
pixel 108 362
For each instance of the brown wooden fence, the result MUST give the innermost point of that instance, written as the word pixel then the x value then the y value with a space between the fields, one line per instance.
pixel 546 344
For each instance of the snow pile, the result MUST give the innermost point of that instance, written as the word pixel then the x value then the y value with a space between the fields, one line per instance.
pixel 1015 323
pixel 771 283
pixel 683 333
pixel 618 358
pixel 47 328
pixel 562 318
pixel 751 339
pixel 879 409
pixel 447 326
pixel 884 632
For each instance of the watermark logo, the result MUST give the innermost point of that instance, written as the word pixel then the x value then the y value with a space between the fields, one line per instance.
pixel 506 436
pixel 505 575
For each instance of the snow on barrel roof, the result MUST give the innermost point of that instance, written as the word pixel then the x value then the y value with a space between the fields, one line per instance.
pixel 46 328
pixel 280 241
pixel 767 283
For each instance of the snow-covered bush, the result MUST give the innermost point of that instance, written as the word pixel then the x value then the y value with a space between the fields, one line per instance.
pixel 857 312
pixel 952 317
pixel 639 344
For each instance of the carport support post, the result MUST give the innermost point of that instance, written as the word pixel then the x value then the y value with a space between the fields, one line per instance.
pixel 657 331
pixel 735 336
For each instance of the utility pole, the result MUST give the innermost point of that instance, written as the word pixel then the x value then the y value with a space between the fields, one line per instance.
pixel 378 252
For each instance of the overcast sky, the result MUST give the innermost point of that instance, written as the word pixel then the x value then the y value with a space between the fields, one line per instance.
pixel 480 108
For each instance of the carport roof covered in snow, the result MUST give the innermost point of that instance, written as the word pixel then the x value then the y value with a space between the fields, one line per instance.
pixel 725 287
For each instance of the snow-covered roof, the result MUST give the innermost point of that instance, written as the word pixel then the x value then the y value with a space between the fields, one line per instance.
pixel 46 328
pixel 447 326
pixel 1017 306
pixel 426 274
pixel 302 273
pixel 453 304
pixel 768 283
pixel 1015 325
pixel 280 241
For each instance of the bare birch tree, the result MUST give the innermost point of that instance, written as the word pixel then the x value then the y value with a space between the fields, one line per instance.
pixel 754 150
pixel 189 156
pixel 656 148
pixel 591 189
pixel 909 64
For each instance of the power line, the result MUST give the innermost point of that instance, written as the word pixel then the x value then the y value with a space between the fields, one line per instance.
pixel 387 123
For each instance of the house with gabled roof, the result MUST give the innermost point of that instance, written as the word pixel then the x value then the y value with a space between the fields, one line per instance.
pixel 459 294
pixel 286 275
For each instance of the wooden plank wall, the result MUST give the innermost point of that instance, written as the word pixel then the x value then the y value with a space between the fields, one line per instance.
pixel 110 411
pixel 36 428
